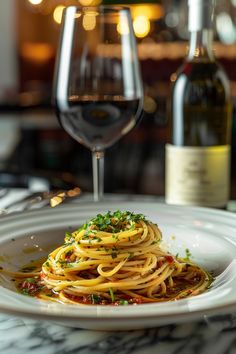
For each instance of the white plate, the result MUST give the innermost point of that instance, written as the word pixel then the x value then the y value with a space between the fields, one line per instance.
pixel 210 235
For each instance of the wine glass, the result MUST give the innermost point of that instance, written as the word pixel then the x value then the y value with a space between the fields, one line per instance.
pixel 98 90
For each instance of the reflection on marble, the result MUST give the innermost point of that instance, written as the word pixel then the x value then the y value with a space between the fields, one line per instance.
pixel 23 336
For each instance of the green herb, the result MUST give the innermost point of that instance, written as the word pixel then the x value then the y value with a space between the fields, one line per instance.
pixel 154 242
pixel 70 265
pixel 188 254
pixel 95 299
pixel 31 280
pixel 68 253
pixel 87 233
pixel 131 255
pixel 50 295
pixel 115 236
pixel 66 263
pixel 112 294
pixel 112 222
pixel 114 255
pixel 123 302
pixel 25 291
pixel 98 239
pixel 68 238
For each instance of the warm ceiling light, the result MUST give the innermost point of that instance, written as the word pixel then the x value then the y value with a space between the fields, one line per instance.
pixel 38 53
pixel 86 2
pixel 35 2
pixel 90 2
pixel 57 13
pixel 89 21
pixel 123 26
pixel 141 26
pixel 151 11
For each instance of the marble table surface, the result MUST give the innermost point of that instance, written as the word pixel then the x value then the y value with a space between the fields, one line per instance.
pixel 215 335
pixel 25 336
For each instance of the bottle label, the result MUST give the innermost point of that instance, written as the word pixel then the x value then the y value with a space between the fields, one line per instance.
pixel 197 175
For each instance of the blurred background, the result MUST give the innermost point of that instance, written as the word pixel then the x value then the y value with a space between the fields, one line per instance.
pixel 31 140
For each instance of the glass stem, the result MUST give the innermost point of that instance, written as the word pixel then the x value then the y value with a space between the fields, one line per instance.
pixel 98 175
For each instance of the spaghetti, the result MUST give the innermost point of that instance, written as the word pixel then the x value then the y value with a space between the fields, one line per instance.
pixel 117 259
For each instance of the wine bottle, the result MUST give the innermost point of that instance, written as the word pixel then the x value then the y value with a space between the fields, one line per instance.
pixel 198 155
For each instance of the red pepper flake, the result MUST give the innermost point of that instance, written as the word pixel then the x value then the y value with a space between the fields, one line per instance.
pixel 30 286
pixel 42 275
pixel 68 255
pixel 169 259
pixel 137 300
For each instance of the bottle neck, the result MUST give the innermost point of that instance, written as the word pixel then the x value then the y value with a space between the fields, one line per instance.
pixel 201 45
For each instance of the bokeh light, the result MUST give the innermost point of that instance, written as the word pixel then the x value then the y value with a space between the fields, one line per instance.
pixel 57 13
pixel 89 21
pixel 35 2
pixel 122 26
pixel 86 2
pixel 141 26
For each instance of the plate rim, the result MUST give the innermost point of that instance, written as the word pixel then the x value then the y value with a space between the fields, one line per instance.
pixel 169 317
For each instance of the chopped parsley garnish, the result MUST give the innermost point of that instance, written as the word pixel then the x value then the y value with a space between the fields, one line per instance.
pixel 131 255
pixel 68 237
pixel 112 222
pixel 188 254
pixel 114 255
pixel 69 253
pixel 95 299
pixel 112 294
pixel 123 302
